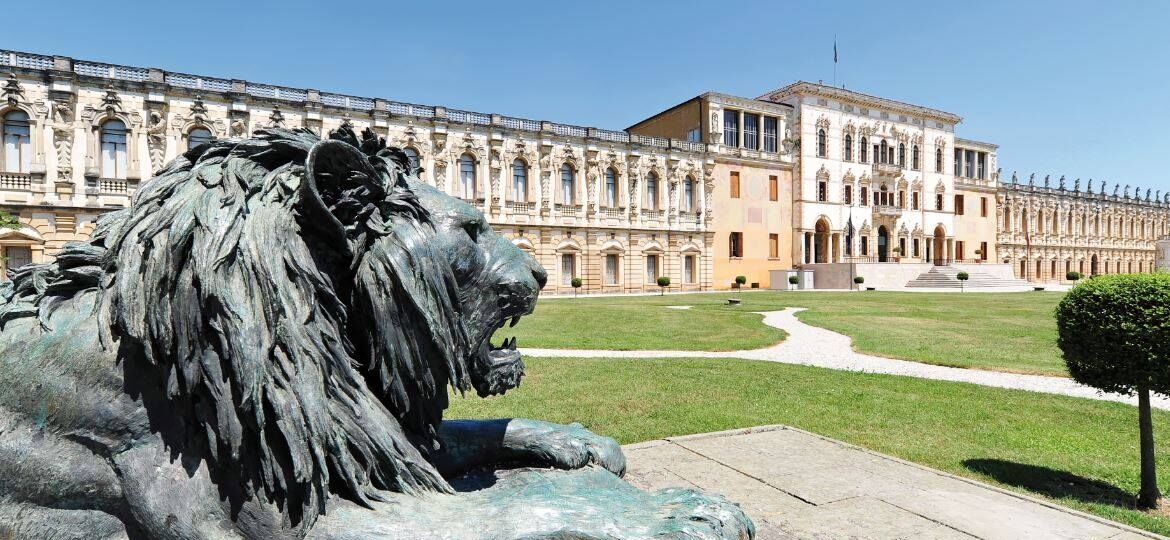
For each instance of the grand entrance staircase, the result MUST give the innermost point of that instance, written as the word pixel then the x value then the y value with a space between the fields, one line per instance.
pixel 943 277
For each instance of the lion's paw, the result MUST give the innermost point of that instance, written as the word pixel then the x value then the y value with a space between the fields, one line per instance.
pixel 692 514
pixel 573 447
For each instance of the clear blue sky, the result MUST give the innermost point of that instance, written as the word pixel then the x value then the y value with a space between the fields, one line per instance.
pixel 1074 87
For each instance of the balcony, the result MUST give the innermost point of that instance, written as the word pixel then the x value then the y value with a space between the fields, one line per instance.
pixel 886 169
pixel 568 210
pixel 887 210
pixel 613 213
pixel 520 207
pixel 15 181
pixel 648 213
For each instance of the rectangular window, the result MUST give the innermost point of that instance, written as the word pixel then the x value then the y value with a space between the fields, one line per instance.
pixel 958 162
pixel 865 245
pixel 958 250
pixel 735 245
pixel 734 184
pixel 848 194
pixel 689 269
pixel 610 188
pixel 981 166
pixel 902 247
pixel 611 269
pixel 901 199
pixel 938 202
pixel 770 134
pixel 983 250
pixel 959 205
pixel 688 201
pixel 568 269
pixel 17 256
pixel 864 196
pixel 914 246
pixel 969 164
pixel 751 131
pixel 774 245
pixel 730 127
pixel 773 188
pixel 914 201
pixel 822 191
pixel 693 135
pixel 982 206
pixel 651 268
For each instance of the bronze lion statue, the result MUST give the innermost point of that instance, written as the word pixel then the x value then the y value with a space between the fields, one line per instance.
pixel 262 346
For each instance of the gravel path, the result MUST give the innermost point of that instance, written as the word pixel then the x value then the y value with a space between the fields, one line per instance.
pixel 811 346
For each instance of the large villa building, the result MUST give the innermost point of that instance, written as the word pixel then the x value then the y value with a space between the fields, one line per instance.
pixel 807 177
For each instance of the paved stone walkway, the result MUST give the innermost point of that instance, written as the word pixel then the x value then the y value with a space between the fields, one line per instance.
pixel 811 346
pixel 797 485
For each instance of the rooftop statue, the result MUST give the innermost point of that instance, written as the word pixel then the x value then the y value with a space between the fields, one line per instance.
pixel 1062 182
pixel 1077 185
pixel 1014 179
pixel 1090 188
pixel 262 346
pixel 1032 179
pixel 1046 181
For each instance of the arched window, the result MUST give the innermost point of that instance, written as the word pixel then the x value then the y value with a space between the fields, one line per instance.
pixel 822 151
pixel 17 148
pixel 901 155
pixel 519 181
pixel 938 160
pixel 611 197
pixel 411 157
pixel 113 149
pixel 467 176
pixel 848 147
pixel 688 202
pixel 651 191
pixel 914 161
pixel 199 136
pixel 864 150
pixel 883 156
pixel 568 184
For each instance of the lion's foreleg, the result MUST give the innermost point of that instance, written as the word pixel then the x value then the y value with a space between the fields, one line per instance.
pixel 22 520
pixel 469 444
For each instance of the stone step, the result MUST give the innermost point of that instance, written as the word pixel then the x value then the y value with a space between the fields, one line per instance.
pixel 944 277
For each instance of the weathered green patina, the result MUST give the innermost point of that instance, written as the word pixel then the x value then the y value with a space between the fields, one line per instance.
pixel 261 347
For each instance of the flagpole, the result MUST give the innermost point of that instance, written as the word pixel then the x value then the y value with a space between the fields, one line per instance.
pixel 834 60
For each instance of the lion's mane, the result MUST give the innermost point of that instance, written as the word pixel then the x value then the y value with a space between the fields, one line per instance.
pixel 274 303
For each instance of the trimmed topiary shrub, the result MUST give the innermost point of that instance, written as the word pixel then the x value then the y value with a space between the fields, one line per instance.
pixel 794 280
pixel 1114 332
pixel 859 280
pixel 663 283
pixel 739 281
pixel 576 283
pixel 962 277
pixel 1073 275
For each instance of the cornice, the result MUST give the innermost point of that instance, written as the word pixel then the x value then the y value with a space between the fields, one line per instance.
pixel 802 88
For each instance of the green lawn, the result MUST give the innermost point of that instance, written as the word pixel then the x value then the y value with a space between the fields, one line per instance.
pixel 1081 453
pixel 999 331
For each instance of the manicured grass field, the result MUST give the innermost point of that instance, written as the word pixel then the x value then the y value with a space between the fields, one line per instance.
pixel 1081 453
pixel 998 331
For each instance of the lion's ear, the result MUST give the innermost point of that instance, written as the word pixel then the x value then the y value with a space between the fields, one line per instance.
pixel 333 169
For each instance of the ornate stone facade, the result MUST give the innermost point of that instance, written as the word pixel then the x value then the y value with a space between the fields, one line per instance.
pixel 614 209
pixel 1049 227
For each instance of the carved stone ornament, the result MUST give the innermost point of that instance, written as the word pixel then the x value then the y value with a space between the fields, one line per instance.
pixel 277 366
pixel 13 92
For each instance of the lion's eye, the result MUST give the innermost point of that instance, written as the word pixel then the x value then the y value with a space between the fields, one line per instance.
pixel 472 230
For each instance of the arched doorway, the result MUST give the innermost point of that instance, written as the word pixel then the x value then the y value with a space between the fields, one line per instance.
pixel 883 247
pixel 821 241
pixel 940 239
pixel 1093 266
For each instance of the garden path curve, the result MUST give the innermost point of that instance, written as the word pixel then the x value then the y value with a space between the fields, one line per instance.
pixel 811 346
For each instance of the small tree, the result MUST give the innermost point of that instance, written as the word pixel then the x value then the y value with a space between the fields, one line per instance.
pixel 962 277
pixel 1073 275
pixel 739 281
pixel 979 255
pixel 576 283
pixel 858 280
pixel 794 280
pixel 663 283
pixel 9 221
pixel 1114 332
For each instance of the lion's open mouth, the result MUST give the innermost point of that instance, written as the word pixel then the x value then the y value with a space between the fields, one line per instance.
pixel 503 363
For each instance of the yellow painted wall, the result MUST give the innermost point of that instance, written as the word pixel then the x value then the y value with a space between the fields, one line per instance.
pixel 756 217
pixel 972 228
pixel 673 123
